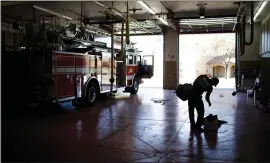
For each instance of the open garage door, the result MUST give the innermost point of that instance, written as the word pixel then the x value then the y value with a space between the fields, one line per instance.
pixel 206 48
pixel 151 46
pixel 207 25
pixel 200 57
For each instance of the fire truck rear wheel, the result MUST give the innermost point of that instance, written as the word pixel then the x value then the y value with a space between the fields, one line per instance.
pixel 135 86
pixel 92 93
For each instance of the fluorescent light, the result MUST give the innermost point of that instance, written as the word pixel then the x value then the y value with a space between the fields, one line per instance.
pixel 81 46
pixel 101 4
pixel 259 10
pixel 147 7
pixel 163 21
pixel 52 12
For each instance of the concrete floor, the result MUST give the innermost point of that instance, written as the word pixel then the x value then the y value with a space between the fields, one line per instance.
pixel 134 129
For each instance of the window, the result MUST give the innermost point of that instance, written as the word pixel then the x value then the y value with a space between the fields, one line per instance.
pixel 130 59
pixel 135 59
pixel 148 60
pixel 139 59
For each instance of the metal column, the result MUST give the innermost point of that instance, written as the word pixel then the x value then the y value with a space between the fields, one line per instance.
pixel 124 59
pixel 112 58
pixel 238 62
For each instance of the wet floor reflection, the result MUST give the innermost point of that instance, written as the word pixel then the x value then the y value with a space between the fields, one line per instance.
pixel 132 127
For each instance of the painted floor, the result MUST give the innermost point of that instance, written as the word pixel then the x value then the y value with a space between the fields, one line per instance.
pixel 135 129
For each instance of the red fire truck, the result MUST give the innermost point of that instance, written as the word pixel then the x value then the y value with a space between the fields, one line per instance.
pixel 87 75
pixel 76 73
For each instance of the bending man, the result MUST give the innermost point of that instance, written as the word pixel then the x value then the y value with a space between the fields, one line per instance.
pixel 201 84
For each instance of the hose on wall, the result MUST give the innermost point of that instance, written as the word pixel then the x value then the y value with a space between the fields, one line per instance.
pixel 242 31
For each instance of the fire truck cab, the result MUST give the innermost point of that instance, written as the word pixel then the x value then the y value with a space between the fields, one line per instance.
pixel 137 67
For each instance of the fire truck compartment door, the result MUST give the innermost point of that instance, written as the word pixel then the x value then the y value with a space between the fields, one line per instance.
pixel 148 66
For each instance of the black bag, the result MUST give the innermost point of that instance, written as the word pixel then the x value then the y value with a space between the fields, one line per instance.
pixel 183 91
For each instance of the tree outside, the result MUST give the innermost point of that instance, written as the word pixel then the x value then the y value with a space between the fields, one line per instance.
pixel 224 48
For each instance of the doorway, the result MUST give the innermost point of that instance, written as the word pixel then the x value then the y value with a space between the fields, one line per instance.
pixel 219 71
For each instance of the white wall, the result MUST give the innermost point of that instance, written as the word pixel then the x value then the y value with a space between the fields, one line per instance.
pixel 170 48
pixel 265 37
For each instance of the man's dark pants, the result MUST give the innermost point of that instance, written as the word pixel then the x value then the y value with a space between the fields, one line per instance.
pixel 196 102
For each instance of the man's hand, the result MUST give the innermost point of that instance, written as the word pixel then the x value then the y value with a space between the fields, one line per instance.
pixel 209 103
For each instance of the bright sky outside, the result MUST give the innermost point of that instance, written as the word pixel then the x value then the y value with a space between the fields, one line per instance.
pixel 191 60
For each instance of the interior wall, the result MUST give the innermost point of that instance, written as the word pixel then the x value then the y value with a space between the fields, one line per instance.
pixel 265 60
pixel 171 59
pixel 251 59
pixel 265 38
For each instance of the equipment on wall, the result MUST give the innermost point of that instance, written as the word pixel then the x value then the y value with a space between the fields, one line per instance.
pixel 201 10
pixel 241 27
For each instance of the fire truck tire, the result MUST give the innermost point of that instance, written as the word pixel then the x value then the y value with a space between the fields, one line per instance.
pixel 92 93
pixel 135 86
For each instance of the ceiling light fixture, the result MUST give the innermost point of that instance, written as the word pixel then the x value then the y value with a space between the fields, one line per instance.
pixel 147 7
pixel 201 10
pixel 152 11
pixel 52 12
pixel 259 10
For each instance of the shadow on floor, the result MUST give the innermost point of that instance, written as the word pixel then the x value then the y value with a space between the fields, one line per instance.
pixel 211 137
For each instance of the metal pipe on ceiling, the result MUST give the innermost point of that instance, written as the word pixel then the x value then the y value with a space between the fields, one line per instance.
pixel 127 26
pixel 115 11
pixel 238 15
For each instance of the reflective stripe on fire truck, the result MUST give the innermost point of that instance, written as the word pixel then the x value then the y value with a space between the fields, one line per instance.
pixel 73 70
pixel 79 86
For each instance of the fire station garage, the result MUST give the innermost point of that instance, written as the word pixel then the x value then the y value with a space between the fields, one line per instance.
pixel 129 81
